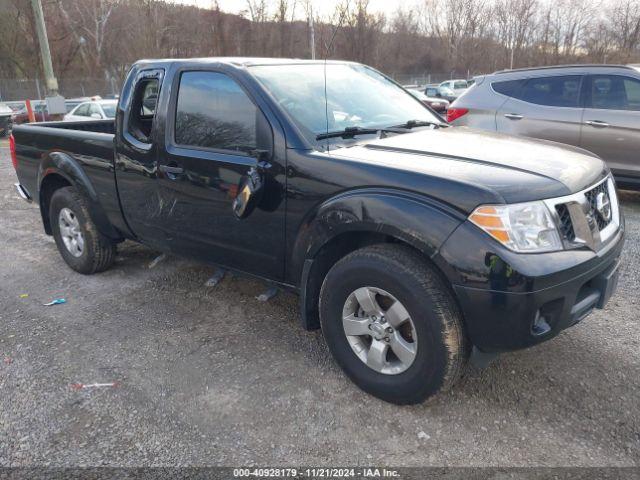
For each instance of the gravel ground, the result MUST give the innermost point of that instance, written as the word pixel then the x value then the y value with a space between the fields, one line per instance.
pixel 211 376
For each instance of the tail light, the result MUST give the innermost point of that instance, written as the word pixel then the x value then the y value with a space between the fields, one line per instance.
pixel 455 113
pixel 12 150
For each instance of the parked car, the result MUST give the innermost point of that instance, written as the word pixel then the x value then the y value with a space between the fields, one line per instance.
pixel 432 91
pixel 595 107
pixel 16 106
pixel 411 243
pixel 71 103
pixel 6 122
pixel 39 111
pixel 440 105
pixel 452 89
pixel 96 110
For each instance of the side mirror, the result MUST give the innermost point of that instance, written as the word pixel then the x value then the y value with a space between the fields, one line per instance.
pixel 97 116
pixel 260 155
pixel 249 194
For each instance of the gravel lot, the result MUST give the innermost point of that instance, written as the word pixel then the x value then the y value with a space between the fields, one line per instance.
pixel 212 376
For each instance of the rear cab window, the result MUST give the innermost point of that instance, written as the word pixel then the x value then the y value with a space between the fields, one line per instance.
pixel 142 110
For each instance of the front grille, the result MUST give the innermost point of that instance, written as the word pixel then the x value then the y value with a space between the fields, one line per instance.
pixel 579 220
pixel 566 227
pixel 592 196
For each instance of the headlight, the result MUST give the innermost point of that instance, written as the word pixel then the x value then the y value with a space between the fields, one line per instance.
pixel 523 227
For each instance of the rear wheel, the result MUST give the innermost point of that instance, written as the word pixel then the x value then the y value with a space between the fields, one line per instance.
pixel 392 324
pixel 79 242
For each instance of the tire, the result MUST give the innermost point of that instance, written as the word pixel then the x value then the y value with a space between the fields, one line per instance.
pixel 435 350
pixel 98 252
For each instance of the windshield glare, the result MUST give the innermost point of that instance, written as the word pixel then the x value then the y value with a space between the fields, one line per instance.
pixel 357 96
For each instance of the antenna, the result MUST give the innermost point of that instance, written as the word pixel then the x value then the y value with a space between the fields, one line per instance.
pixel 343 13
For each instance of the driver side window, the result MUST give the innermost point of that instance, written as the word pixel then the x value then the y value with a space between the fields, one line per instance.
pixel 214 112
pixel 83 110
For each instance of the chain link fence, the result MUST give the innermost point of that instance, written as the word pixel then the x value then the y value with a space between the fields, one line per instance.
pixel 13 90
pixel 426 78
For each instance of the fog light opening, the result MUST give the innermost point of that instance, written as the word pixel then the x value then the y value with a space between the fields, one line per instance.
pixel 540 325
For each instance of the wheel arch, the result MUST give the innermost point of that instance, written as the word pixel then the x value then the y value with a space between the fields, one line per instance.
pixel 59 170
pixel 362 218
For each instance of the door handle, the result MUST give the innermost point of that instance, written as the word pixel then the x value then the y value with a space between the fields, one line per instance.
pixel 597 123
pixel 171 169
pixel 513 116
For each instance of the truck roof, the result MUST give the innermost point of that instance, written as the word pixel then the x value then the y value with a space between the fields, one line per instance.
pixel 237 61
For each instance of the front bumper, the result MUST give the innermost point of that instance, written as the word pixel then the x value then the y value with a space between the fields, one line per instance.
pixel 512 301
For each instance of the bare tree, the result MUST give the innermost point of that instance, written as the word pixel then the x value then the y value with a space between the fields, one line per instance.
pixel 285 15
pixel 89 26
pixel 514 25
pixel 459 25
pixel 625 27
pixel 102 38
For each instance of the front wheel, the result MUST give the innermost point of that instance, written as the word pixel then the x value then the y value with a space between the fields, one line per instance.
pixel 79 242
pixel 392 324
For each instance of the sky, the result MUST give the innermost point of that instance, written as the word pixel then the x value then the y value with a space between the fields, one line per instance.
pixel 322 7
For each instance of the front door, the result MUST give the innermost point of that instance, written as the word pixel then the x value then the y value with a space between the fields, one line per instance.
pixel 612 122
pixel 219 158
pixel 545 107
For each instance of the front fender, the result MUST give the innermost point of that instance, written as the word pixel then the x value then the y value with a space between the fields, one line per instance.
pixel 64 165
pixel 421 222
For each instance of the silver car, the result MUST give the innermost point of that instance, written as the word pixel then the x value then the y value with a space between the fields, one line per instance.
pixel 596 107
pixel 452 89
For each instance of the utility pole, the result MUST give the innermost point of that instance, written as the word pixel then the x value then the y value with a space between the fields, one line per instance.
pixel 52 83
pixel 312 34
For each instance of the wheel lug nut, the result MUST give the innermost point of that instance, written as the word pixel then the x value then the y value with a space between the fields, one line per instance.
pixel 374 318
pixel 389 330
pixel 386 339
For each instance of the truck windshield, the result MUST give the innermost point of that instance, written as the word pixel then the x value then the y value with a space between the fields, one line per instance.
pixel 357 96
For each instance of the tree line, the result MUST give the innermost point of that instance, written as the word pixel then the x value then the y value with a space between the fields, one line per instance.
pixel 102 38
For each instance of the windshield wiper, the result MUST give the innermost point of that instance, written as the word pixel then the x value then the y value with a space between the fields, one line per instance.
pixel 420 123
pixel 348 132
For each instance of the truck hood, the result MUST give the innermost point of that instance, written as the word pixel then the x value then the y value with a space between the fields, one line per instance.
pixel 509 168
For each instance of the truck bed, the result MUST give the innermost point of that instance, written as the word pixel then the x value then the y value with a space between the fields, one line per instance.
pixel 89 144
pixel 96 126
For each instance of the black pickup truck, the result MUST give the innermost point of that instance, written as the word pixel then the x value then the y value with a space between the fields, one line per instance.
pixel 412 244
